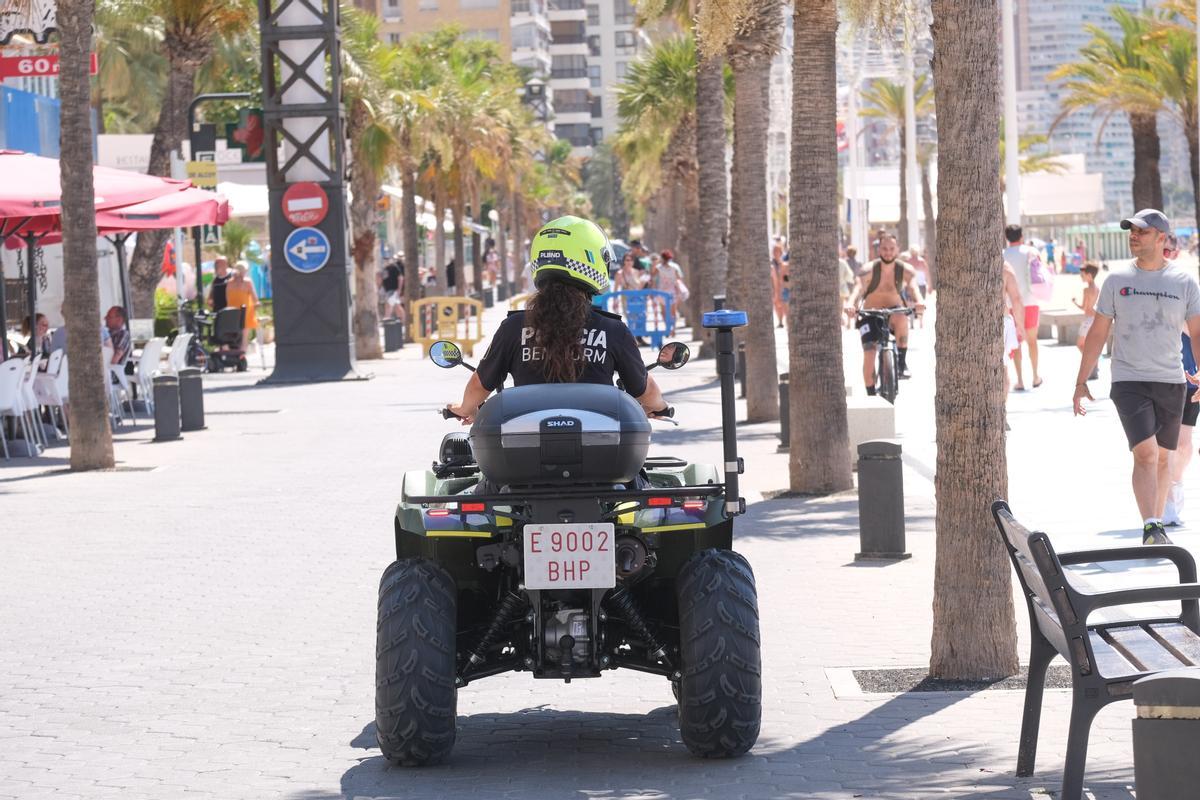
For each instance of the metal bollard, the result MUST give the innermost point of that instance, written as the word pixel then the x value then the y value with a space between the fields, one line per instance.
pixel 1166 734
pixel 785 420
pixel 741 369
pixel 880 501
pixel 166 408
pixel 393 335
pixel 191 399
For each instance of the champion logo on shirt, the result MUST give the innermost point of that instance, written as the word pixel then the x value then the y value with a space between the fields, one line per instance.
pixel 1129 291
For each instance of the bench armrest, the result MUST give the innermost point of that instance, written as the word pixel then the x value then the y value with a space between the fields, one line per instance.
pixel 1180 557
pixel 1185 592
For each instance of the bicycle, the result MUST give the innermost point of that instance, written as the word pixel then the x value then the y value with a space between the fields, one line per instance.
pixel 887 370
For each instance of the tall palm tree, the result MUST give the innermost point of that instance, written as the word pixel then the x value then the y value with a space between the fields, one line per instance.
pixel 819 452
pixel 750 33
pixel 974 629
pixel 1112 77
pixel 1171 57
pixel 91 437
pixel 366 63
pixel 884 99
pixel 190 29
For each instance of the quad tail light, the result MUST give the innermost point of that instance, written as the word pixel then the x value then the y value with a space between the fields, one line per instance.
pixel 658 502
pixel 473 506
pixel 438 512
pixel 693 505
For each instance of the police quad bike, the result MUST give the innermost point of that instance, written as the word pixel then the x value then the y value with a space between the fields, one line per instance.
pixel 547 542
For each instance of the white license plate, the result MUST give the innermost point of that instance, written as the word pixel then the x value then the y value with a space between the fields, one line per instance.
pixel 575 556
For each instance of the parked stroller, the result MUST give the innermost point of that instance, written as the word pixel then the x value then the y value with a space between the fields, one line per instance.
pixel 222 336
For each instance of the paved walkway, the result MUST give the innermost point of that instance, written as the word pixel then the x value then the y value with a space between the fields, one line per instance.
pixel 200 622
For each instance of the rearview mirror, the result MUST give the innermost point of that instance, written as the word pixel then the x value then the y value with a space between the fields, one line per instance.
pixel 445 354
pixel 673 355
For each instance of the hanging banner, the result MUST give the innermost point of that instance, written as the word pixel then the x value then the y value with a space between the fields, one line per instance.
pixel 38 18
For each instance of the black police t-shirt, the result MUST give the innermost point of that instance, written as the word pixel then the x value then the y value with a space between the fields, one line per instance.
pixel 608 347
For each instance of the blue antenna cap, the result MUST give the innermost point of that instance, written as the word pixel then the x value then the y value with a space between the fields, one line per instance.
pixel 724 319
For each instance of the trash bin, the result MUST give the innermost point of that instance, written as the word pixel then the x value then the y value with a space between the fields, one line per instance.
pixel 166 408
pixel 880 501
pixel 393 335
pixel 191 399
pixel 501 292
pixel 1166 734
pixel 489 299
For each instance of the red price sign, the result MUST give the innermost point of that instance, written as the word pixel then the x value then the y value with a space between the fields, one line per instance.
pixel 37 66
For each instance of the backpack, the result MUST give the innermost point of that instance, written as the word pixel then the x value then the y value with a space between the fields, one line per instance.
pixel 1041 277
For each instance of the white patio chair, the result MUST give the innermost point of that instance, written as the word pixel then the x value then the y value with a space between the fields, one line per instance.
pixel 29 400
pixel 46 389
pixel 115 413
pixel 12 373
pixel 147 365
pixel 177 359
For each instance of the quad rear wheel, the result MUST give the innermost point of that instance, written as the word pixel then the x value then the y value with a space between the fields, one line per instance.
pixel 720 685
pixel 415 691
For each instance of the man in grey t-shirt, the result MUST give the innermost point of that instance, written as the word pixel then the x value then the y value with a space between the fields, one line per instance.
pixel 1145 305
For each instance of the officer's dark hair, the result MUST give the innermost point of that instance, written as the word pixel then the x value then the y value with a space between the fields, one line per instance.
pixel 558 313
pixel 1013 234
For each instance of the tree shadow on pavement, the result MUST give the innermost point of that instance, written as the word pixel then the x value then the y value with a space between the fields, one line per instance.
pixel 543 753
pixel 795 517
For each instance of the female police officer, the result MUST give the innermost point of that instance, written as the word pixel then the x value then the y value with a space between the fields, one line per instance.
pixel 561 337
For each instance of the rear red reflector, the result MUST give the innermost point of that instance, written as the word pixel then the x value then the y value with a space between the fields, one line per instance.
pixel 658 501
pixel 473 506
pixel 693 505
pixel 438 512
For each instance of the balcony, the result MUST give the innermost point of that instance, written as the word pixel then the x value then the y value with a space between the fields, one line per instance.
pixel 573 107
pixel 566 5
pixel 569 38
pixel 564 73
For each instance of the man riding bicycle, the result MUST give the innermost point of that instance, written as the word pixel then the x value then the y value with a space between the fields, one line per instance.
pixel 885 283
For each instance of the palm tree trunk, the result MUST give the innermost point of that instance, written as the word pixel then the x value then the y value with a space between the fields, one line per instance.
pixel 502 249
pixel 91 436
pixel 145 266
pixel 1147 180
pixel 974 631
pixel 1193 140
pixel 930 225
pixel 902 234
pixel 364 221
pixel 439 245
pixel 819 452
pixel 462 286
pixel 520 255
pixel 710 258
pixel 412 266
pixel 749 239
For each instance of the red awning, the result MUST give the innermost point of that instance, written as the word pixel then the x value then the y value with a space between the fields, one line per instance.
pixel 31 196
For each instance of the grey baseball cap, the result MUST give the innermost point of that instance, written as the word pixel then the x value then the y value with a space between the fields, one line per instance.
pixel 1148 218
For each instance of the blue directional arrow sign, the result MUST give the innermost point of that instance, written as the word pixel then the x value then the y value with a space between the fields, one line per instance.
pixel 306 250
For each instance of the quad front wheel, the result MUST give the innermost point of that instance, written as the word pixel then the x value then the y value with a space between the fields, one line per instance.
pixel 415 691
pixel 720 684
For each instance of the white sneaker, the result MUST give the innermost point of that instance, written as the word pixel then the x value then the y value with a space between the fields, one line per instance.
pixel 1174 507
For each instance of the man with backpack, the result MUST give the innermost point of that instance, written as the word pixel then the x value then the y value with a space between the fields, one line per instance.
pixel 1031 274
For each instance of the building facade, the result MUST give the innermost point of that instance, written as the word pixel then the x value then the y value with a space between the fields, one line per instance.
pixel 1047 36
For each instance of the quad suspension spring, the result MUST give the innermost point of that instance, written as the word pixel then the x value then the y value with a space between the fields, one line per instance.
pixel 623 602
pixel 511 606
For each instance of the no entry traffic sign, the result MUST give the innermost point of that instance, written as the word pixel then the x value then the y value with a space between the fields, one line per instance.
pixel 305 204
pixel 306 250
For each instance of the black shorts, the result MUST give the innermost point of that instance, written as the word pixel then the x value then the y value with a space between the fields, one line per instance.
pixel 1191 411
pixel 873 330
pixel 1150 409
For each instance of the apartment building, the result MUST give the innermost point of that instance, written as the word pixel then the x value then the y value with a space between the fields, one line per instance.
pixel 614 40
pixel 569 83
pixel 1051 34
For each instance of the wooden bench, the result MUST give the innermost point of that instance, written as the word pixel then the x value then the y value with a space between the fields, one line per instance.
pixel 1105 658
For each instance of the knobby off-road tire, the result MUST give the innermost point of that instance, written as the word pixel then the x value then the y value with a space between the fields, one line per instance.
pixel 889 379
pixel 720 690
pixel 415 692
